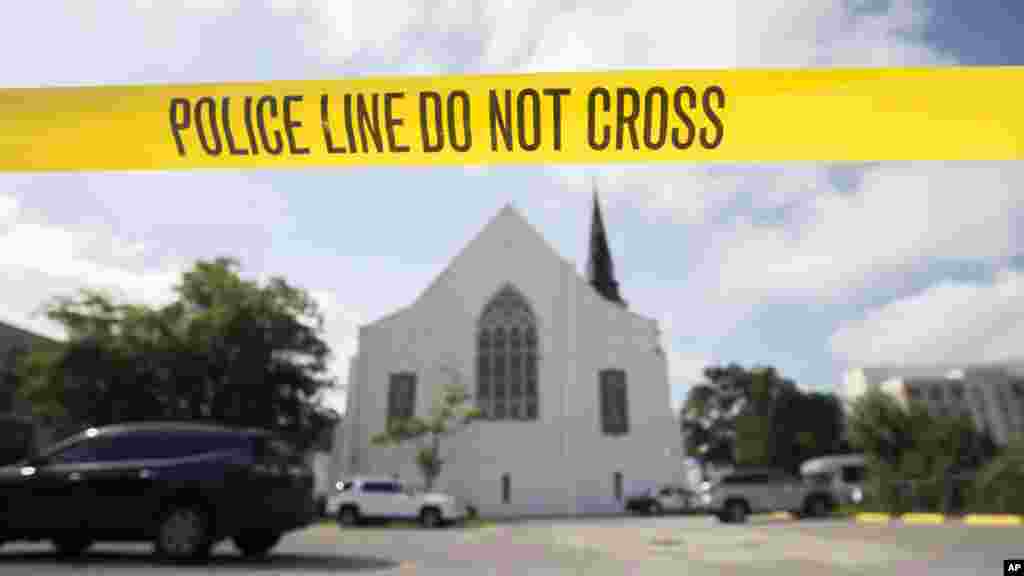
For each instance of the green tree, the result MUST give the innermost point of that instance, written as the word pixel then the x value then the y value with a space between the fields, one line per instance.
pixel 758 417
pixel 807 425
pixel 997 488
pixel 913 454
pixel 708 435
pixel 450 414
pixel 225 350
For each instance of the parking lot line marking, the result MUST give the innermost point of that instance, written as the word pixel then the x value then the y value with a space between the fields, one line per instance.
pixel 993 520
pixel 873 517
pixel 917 518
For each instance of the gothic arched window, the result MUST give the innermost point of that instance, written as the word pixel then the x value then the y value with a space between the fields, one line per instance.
pixel 507 358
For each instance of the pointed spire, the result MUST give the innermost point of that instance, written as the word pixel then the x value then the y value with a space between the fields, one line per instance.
pixel 600 269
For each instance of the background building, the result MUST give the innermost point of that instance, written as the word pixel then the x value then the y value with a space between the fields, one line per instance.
pixel 992 395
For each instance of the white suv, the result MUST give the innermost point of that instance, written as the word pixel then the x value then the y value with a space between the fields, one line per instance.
pixel 381 498
pixel 752 491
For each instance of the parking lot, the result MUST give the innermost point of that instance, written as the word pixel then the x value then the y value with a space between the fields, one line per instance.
pixel 627 545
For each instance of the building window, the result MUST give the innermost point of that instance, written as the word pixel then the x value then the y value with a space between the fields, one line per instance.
pixel 1018 389
pixel 913 392
pixel 614 403
pixel 507 359
pixel 617 481
pixel 506 488
pixel 401 397
pixel 936 394
pixel 957 389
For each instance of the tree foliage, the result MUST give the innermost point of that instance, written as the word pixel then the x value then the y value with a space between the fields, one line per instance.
pixel 757 417
pixel 998 486
pixel 450 414
pixel 913 454
pixel 225 350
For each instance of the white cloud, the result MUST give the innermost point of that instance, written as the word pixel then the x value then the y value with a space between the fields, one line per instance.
pixel 685 371
pixel 902 218
pixel 341 325
pixel 42 261
pixel 949 322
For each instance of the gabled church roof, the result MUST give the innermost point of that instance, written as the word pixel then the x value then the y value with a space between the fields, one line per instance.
pixel 509 215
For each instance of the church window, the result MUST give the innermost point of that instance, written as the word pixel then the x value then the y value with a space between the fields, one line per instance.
pixel 617 481
pixel 401 397
pixel 507 358
pixel 614 403
pixel 506 488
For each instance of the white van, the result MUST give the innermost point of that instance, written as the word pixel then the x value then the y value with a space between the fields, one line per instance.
pixel 841 476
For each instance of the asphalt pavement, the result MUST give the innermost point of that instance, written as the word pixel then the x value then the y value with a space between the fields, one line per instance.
pixel 626 545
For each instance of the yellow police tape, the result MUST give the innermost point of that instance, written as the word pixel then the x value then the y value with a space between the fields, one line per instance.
pixel 582 118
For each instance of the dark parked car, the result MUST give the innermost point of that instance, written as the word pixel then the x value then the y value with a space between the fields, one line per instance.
pixel 182 486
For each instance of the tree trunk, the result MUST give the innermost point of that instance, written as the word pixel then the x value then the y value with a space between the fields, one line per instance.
pixel 435 446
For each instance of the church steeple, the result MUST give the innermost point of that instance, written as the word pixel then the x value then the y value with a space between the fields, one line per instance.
pixel 600 269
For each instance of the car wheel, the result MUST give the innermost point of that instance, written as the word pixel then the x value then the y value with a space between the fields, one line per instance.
pixel 72 545
pixel 256 544
pixel 430 518
pixel 736 512
pixel 348 516
pixel 819 508
pixel 654 509
pixel 183 535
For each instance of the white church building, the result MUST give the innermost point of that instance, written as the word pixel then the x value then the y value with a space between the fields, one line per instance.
pixel 573 385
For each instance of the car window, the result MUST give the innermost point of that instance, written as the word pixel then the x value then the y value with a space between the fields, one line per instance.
pixel 81 452
pixel 163 445
pixel 853 474
pixel 381 487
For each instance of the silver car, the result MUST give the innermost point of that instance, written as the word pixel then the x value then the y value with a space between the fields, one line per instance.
pixel 751 491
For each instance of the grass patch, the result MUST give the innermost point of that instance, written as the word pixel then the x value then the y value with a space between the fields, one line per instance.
pixel 847 510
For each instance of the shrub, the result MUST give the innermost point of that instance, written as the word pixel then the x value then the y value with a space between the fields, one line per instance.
pixel 999 488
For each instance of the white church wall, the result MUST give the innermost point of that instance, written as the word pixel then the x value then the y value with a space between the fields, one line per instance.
pixel 441 329
pixel 612 337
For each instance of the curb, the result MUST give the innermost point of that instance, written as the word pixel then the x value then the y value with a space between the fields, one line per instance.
pixel 923 518
pixel 993 520
pixel 917 518
pixel 871 518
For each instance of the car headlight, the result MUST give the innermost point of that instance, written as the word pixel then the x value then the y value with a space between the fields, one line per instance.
pixel 856 495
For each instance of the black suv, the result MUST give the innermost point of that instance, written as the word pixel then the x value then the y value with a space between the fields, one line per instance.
pixel 183 486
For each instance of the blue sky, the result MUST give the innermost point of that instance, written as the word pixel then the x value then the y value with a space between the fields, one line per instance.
pixel 809 267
